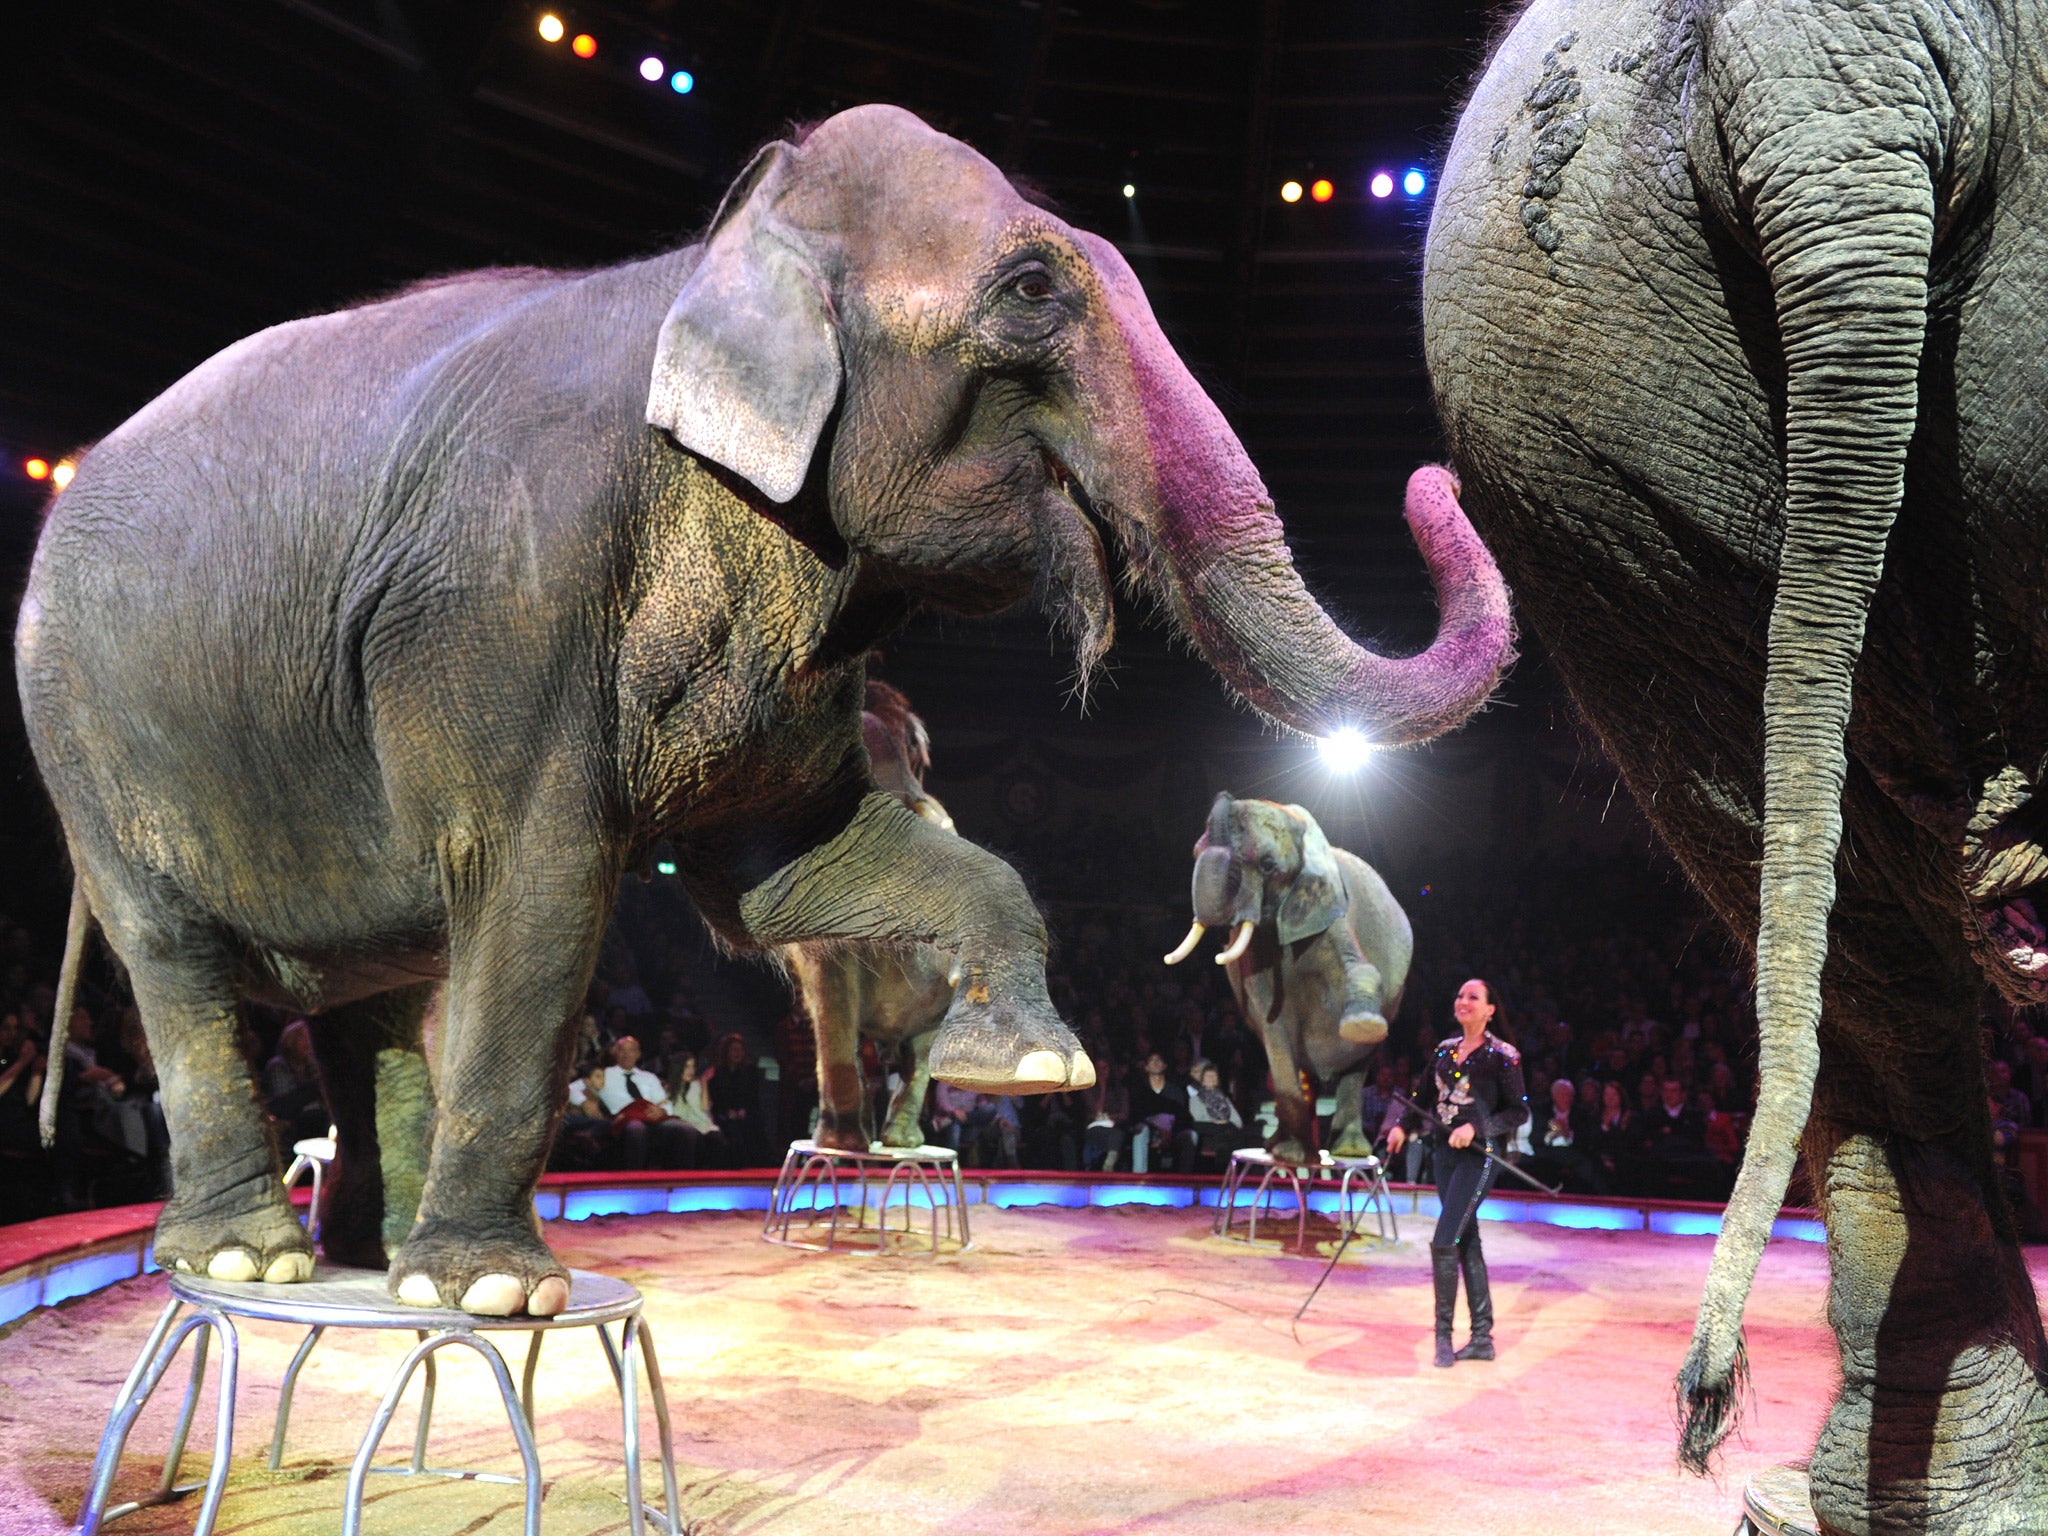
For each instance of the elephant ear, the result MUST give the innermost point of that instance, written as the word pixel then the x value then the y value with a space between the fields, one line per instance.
pixel 747 370
pixel 1317 897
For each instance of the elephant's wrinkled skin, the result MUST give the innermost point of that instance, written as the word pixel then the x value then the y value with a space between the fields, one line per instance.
pixel 1734 316
pixel 375 650
pixel 896 997
pixel 1318 958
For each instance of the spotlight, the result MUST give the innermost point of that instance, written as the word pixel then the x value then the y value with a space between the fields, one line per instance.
pixel 1346 750
pixel 1129 190
pixel 664 866
pixel 651 69
pixel 37 469
pixel 61 473
pixel 1414 182
pixel 1322 189
pixel 1290 191
pixel 551 28
pixel 1382 184
pixel 584 46
pixel 682 82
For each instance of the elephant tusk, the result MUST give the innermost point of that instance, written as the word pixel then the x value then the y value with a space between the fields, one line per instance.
pixel 1239 943
pixel 1187 945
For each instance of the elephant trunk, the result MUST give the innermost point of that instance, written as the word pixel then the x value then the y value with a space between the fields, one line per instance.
pixel 1218 558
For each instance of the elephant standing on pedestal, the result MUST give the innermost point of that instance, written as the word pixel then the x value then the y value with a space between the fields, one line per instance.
pixel 896 997
pixel 1318 958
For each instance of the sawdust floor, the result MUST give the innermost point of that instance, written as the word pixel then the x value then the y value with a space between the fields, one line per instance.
pixel 1079 1371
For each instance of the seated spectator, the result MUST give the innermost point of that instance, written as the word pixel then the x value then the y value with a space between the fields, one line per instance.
pixel 646 1135
pixel 291 1087
pixel 1109 1112
pixel 1559 1152
pixel 1674 1140
pixel 989 1137
pixel 1213 1121
pixel 584 1139
pixel 2005 1140
pixel 1161 1115
pixel 1723 1133
pixel 24 1191
pixel 1377 1100
pixel 1614 1140
pixel 952 1109
pixel 733 1087
pixel 1053 1130
pixel 2012 1103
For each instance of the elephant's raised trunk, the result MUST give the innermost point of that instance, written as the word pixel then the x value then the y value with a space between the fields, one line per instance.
pixel 1224 568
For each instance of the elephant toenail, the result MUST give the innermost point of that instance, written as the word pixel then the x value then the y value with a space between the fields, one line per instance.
pixel 418 1291
pixel 289 1268
pixel 232 1264
pixel 549 1297
pixel 494 1296
pixel 1080 1071
pixel 1040 1067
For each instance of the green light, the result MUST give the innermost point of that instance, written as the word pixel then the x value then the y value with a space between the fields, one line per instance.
pixel 665 867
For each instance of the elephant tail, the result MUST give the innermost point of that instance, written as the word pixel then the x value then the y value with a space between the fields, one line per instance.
pixel 67 997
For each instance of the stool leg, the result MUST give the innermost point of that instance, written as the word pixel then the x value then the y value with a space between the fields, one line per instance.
pixel 960 1196
pixel 420 1430
pixel 526 1376
pixel 611 1356
pixel 223 1424
pixel 629 1414
pixel 176 1454
pixel 128 1403
pixel 284 1396
pixel 672 1509
pixel 313 1206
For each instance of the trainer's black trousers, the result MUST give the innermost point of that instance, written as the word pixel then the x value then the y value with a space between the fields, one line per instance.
pixel 1463 1177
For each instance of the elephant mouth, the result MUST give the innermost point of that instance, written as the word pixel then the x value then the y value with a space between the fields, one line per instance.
pixel 2005 873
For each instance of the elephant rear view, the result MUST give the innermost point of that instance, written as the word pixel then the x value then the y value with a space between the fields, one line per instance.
pixel 1318 959
pixel 1733 310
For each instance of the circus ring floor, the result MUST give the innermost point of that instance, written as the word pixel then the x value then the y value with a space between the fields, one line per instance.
pixel 1085 1368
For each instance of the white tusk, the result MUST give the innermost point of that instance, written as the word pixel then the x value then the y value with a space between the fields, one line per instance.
pixel 1187 945
pixel 1239 943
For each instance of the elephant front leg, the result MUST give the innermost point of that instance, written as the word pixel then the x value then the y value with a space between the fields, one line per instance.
pixel 1942 1421
pixel 1294 1139
pixel 891 877
pixel 1360 1020
pixel 830 983
pixel 1350 1136
pixel 521 951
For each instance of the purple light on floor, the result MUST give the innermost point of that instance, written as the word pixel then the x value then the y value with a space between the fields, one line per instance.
pixel 1382 184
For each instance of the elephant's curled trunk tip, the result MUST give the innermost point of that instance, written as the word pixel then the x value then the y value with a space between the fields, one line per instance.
pixel 1709 1403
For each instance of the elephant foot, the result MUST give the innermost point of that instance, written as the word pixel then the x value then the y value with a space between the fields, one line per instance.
pixel 838 1138
pixel 1288 1149
pixel 262 1241
pixel 1362 1026
pixel 1011 1045
pixel 1351 1143
pixel 491 1273
pixel 903 1135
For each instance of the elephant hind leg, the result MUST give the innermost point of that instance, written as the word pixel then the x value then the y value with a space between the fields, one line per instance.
pixel 831 983
pixel 1349 1135
pixel 906 1109
pixel 1942 1421
pixel 374 1072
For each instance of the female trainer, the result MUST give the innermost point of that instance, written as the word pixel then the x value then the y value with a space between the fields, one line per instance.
pixel 1480 1100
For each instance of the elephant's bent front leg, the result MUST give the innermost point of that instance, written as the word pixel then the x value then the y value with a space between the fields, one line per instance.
pixel 891 877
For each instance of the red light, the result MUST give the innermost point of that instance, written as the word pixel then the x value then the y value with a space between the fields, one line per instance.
pixel 37 469
pixel 1322 189
pixel 584 46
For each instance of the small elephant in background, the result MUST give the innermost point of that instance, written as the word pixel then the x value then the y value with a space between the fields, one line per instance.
pixel 896 997
pixel 1318 958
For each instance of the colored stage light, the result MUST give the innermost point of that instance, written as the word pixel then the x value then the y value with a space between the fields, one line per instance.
pixel 651 69
pixel 1382 184
pixel 665 866
pixel 1322 189
pixel 1414 182
pixel 1129 190
pixel 584 46
pixel 61 473
pixel 37 469
pixel 1345 750
pixel 1290 191
pixel 551 28
pixel 682 82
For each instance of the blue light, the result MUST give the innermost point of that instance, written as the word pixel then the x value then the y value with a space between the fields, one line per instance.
pixel 1414 182
pixel 682 82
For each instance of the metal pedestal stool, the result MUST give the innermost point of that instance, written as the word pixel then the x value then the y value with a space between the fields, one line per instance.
pixel 1778 1502
pixel 1361 1184
pixel 933 1172
pixel 356 1298
pixel 314 1153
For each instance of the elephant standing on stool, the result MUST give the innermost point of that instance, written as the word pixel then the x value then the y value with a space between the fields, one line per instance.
pixel 1318 959
pixel 895 997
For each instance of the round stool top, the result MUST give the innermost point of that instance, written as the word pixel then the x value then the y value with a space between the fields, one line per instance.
pixel 357 1298
pixel 1779 1501
pixel 878 1152
pixel 1260 1157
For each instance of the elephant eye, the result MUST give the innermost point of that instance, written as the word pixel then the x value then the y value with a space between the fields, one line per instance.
pixel 1034 284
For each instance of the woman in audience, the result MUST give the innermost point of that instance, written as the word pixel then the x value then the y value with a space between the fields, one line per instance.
pixel 734 1089
pixel 1214 1122
pixel 1614 1139
pixel 688 1105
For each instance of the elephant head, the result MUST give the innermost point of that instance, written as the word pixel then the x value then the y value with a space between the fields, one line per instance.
pixel 906 360
pixel 1262 863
